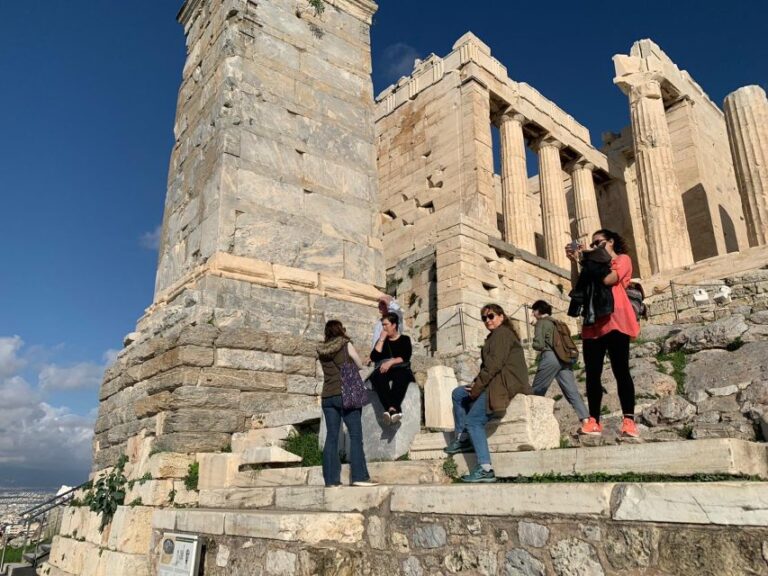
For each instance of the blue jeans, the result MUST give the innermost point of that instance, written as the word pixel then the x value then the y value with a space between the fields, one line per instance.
pixel 471 416
pixel 334 412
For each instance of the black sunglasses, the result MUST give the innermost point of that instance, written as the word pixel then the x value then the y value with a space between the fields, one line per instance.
pixel 490 316
pixel 597 243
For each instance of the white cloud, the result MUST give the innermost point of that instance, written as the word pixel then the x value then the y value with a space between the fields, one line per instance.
pixel 41 443
pixel 10 363
pixel 109 357
pixel 397 60
pixel 151 240
pixel 80 376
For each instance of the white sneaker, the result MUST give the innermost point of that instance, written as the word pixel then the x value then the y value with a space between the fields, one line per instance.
pixel 365 483
pixel 397 417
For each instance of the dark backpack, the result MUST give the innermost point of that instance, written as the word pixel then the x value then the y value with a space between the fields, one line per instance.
pixel 562 343
pixel 636 295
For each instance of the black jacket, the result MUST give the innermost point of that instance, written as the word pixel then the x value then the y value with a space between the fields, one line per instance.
pixel 591 299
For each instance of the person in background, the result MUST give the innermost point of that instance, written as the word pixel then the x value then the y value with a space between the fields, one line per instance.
pixel 550 366
pixel 387 305
pixel 610 334
pixel 503 374
pixel 392 355
pixel 336 350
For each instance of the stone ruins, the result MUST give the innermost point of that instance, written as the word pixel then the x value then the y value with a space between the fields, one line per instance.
pixel 295 197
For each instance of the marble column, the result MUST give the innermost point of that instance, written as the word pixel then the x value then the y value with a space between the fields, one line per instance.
pixel 518 225
pixel 584 199
pixel 554 208
pixel 746 116
pixel 669 245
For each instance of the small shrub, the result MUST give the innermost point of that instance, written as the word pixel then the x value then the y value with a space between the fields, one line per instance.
pixel 450 468
pixel 172 495
pixel 557 397
pixel 306 445
pixel 107 493
pixel 135 502
pixel 193 476
pixel 565 442
pixel 318 6
pixel 404 458
pixel 604 410
pixel 412 299
pixel 678 360
pixel 227 449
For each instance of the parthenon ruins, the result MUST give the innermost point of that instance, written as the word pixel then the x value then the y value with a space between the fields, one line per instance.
pixel 666 182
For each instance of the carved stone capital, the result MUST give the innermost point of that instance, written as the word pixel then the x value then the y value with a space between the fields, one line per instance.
pixel 640 85
pixel 579 164
pixel 546 141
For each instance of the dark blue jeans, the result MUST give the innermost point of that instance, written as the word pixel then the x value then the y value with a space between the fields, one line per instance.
pixel 334 412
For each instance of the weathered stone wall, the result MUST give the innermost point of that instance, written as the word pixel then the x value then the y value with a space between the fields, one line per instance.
pixel 274 141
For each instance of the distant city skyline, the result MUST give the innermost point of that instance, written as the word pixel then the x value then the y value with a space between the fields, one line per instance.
pixel 88 109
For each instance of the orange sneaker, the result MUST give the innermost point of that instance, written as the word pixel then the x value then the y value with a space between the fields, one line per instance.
pixel 629 428
pixel 591 427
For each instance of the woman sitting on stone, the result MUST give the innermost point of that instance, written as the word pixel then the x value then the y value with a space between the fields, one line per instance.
pixel 392 375
pixel 503 374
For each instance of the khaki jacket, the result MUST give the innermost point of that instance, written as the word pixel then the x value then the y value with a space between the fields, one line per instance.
pixel 503 371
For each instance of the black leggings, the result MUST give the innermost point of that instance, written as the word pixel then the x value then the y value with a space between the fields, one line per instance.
pixel 391 397
pixel 617 345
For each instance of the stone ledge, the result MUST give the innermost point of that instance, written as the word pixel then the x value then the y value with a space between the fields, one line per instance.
pixel 684 458
pixel 728 503
pixel 505 499
pixel 309 528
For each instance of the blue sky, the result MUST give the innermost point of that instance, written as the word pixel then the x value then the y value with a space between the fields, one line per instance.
pixel 87 103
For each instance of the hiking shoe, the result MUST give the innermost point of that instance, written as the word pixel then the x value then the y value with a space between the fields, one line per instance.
pixel 629 428
pixel 459 446
pixel 592 427
pixel 479 475
pixel 365 483
pixel 397 417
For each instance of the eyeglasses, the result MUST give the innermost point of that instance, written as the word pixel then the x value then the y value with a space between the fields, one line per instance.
pixel 597 243
pixel 490 316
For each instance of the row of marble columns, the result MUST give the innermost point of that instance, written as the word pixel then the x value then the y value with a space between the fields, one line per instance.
pixel 518 224
pixel 746 117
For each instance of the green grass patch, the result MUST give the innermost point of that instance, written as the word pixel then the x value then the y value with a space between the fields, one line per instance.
pixel 450 468
pixel 306 445
pixel 13 554
pixel 678 360
pixel 192 477
pixel 629 477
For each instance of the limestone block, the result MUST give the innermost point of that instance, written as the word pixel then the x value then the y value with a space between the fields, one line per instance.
pixel 380 441
pixel 261 437
pixel 193 441
pixel 438 408
pixel 169 465
pixel 268 455
pixel 728 503
pixel 131 530
pixel 312 528
pixel 249 360
pixel 287 416
pixel 718 334
pixel 68 554
pixel 271 477
pixel 241 498
pixel 358 499
pixel 217 470
pixel 183 496
pixel 244 380
pixel 400 472
pixel 201 420
pixel 120 564
pixel 504 499
pixel 150 492
pixel 206 522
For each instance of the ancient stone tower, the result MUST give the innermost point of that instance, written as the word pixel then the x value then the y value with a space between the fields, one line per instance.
pixel 269 230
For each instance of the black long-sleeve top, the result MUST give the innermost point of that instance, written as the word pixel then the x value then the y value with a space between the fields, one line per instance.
pixel 400 348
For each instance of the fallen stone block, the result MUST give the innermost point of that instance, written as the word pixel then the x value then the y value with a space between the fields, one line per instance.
pixel 262 437
pixel 382 441
pixel 728 503
pixel 268 455
pixel 438 407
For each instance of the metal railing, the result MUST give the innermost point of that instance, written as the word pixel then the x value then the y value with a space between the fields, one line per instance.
pixel 42 515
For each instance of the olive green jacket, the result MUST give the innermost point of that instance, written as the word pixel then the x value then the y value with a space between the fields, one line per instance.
pixel 503 371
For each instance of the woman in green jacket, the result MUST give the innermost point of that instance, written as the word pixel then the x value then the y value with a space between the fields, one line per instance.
pixel 503 375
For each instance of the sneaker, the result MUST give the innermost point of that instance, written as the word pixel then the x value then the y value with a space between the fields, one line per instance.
pixel 365 483
pixel 397 417
pixel 459 446
pixel 592 427
pixel 387 417
pixel 479 475
pixel 629 428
